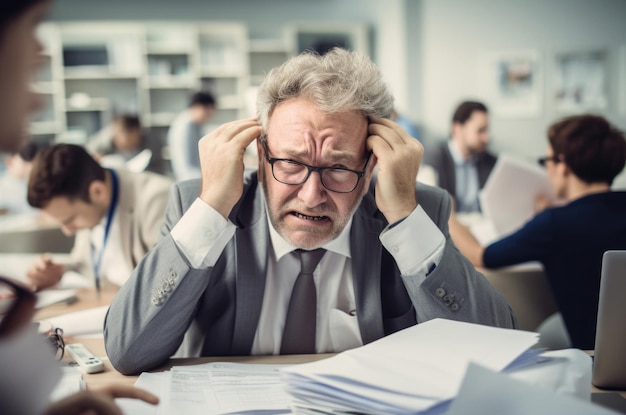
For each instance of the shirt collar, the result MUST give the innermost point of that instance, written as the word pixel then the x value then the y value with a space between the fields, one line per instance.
pixel 340 245
pixel 457 157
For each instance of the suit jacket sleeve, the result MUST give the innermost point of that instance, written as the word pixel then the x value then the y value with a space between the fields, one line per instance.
pixel 454 289
pixel 161 286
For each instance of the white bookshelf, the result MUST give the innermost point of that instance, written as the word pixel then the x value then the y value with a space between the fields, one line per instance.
pixel 93 70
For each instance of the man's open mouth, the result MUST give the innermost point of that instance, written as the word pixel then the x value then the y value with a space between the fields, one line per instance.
pixel 301 216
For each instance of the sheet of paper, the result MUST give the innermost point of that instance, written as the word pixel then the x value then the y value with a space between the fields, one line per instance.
pixel 70 383
pixel 84 322
pixel 508 197
pixel 157 384
pixel 225 388
pixel 487 392
pixel 53 296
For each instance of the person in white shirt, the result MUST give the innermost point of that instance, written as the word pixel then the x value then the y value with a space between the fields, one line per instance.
pixel 223 277
pixel 184 134
pixel 115 214
pixel 463 163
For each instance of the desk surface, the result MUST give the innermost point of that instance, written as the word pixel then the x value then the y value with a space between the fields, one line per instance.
pixel 87 298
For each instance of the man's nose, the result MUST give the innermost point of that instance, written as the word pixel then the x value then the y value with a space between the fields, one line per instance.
pixel 312 191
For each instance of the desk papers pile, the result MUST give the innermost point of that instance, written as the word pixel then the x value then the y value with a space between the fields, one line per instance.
pixel 213 389
pixel 417 370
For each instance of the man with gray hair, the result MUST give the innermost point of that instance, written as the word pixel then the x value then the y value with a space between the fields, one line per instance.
pixel 313 252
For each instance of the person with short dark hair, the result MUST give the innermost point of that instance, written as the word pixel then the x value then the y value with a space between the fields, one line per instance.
pixel 115 214
pixel 184 134
pixel 462 164
pixel 21 347
pixel 584 155
pixel 119 142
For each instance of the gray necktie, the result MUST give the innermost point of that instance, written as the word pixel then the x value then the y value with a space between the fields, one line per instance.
pixel 300 324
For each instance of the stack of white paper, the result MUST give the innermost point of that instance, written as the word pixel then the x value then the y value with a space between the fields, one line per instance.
pixel 213 389
pixel 409 372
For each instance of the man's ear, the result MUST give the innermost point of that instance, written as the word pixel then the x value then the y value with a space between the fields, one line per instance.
pixel 98 192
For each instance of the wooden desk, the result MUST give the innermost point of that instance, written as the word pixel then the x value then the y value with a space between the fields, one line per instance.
pixel 110 375
pixel 87 298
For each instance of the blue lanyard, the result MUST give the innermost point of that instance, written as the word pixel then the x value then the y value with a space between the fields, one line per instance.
pixel 107 228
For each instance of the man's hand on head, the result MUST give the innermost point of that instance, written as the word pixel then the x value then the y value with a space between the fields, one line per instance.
pixel 398 156
pixel 222 163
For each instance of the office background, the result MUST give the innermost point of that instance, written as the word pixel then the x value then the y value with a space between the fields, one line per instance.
pixel 430 51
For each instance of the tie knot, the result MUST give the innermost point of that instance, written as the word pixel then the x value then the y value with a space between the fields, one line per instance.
pixel 310 259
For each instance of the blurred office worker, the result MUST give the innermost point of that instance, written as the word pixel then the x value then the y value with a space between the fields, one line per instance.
pixel 115 214
pixel 21 347
pixel 311 253
pixel 119 142
pixel 14 181
pixel 584 155
pixel 462 164
pixel 184 134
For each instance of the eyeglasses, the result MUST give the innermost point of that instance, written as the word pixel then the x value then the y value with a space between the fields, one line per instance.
pixel 543 160
pixel 17 308
pixel 335 179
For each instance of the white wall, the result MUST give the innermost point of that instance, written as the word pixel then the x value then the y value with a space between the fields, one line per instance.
pixel 455 34
pixel 428 50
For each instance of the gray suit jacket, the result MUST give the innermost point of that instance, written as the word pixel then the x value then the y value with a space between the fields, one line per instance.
pixel 439 158
pixel 216 310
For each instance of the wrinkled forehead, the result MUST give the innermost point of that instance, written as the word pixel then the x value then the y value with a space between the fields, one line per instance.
pixel 300 123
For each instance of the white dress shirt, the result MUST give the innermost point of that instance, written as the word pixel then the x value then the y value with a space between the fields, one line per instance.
pixel 113 266
pixel 466 178
pixel 202 233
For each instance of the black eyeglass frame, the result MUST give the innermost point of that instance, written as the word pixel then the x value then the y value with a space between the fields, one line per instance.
pixel 543 160
pixel 319 170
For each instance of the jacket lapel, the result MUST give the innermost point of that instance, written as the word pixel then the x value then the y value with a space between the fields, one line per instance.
pixel 366 253
pixel 251 244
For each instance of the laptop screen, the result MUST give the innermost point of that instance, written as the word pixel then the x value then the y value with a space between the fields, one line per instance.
pixel 609 367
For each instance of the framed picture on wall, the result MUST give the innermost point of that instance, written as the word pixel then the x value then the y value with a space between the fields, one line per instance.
pixel 580 81
pixel 513 83
pixel 321 37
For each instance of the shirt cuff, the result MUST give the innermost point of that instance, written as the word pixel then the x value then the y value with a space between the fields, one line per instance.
pixel 201 234
pixel 415 243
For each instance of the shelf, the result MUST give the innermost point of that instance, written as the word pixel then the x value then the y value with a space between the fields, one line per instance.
pixel 168 50
pixel 97 75
pixel 162 119
pixel 89 105
pixel 268 46
pixel 44 127
pixel 47 88
pixel 171 82
pixel 220 73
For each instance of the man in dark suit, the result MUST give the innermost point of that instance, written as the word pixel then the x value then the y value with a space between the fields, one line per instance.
pixel 462 164
pixel 220 280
